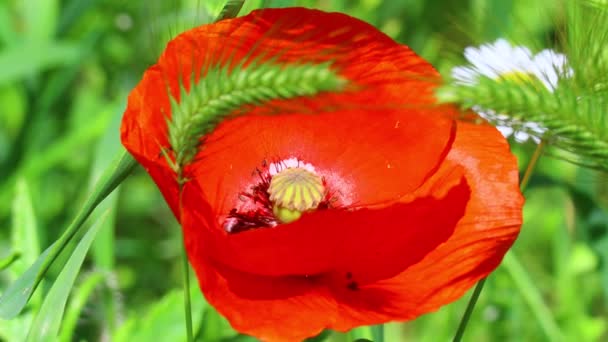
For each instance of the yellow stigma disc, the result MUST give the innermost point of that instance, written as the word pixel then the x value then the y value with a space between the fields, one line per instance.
pixel 294 191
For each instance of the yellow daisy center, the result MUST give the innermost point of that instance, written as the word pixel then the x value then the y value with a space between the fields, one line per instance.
pixel 517 77
pixel 294 191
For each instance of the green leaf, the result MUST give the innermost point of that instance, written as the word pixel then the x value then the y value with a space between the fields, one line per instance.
pixel 321 337
pixel 24 231
pixel 56 153
pixel 7 31
pixel 599 4
pixel 40 19
pixel 46 324
pixel 231 9
pixel 15 298
pixel 77 302
pixel 361 333
pixel 8 260
pixel 103 249
pixel 26 59
pixel 378 332
pixel 108 146
pixel 17 295
pixel 532 296
pixel 71 12
pixel 164 318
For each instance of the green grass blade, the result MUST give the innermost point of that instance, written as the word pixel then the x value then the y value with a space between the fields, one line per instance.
pixel 25 237
pixel 324 335
pixel 378 333
pixel 361 333
pixel 231 9
pixel 24 231
pixel 23 60
pixel 7 261
pixel 103 247
pixel 103 250
pixel 7 31
pixel 17 295
pixel 15 298
pixel 46 324
pixel 40 19
pixel 187 300
pixel 77 303
pixel 71 12
pixel 531 294
pixel 164 318
pixel 53 155
pixel 469 310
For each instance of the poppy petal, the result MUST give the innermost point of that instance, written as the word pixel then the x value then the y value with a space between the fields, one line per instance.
pixel 272 309
pixel 254 300
pixel 489 227
pixel 254 303
pixel 144 135
pixel 368 244
pixel 424 208
pixel 366 144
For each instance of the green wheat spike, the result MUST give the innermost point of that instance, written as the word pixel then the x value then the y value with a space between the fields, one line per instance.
pixel 571 123
pixel 223 91
pixel 575 114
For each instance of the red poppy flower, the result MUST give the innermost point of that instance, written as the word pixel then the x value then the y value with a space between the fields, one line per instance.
pixel 378 207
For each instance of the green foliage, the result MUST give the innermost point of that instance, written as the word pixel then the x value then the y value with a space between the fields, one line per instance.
pixel 231 9
pixel 46 325
pixel 223 90
pixel 81 293
pixel 573 113
pixel 574 120
pixel 164 318
pixel 17 295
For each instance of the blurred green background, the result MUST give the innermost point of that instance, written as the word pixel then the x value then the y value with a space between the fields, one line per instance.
pixel 66 68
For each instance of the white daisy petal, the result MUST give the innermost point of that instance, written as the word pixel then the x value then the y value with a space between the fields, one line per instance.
pixel 464 75
pixel 497 59
pixel 478 59
pixel 521 137
pixel 505 130
pixel 549 66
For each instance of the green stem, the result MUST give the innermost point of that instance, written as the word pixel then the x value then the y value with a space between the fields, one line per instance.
pixel 362 333
pixel 479 287
pixel 185 275
pixel 187 303
pixel 532 297
pixel 230 10
pixel 378 333
pixel 531 164
pixel 469 310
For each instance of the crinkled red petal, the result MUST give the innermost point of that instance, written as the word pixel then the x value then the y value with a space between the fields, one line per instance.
pixel 289 307
pixel 378 142
pixel 438 214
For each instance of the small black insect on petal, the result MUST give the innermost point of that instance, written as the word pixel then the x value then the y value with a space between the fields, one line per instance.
pixel 353 286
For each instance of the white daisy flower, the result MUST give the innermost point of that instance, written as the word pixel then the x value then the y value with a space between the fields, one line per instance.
pixel 499 60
